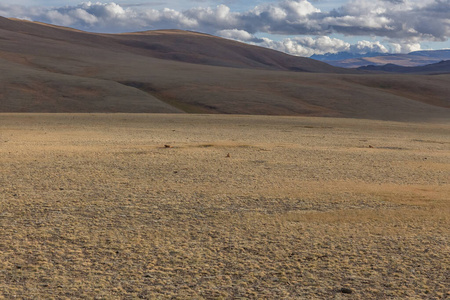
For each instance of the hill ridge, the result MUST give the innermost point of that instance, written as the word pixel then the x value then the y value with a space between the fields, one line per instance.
pixel 47 68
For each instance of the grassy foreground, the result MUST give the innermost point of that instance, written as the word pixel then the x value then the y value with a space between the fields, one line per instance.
pixel 96 206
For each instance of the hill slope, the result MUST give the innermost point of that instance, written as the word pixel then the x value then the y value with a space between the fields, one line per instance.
pixel 52 69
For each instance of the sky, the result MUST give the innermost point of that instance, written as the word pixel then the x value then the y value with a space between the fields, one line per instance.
pixel 297 27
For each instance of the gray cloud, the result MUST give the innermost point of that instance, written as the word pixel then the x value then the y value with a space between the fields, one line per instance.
pixel 395 1
pixel 403 22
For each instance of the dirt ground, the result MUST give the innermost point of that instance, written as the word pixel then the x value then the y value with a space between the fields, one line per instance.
pixel 121 206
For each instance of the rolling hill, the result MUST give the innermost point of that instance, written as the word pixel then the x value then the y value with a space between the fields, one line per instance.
pixel 46 68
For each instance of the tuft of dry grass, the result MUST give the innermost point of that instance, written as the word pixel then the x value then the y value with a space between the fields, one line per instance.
pixel 94 206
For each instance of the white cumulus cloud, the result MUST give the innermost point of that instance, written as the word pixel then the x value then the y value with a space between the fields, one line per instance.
pixel 236 34
pixel 363 47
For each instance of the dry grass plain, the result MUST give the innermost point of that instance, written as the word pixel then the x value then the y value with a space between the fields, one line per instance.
pixel 95 206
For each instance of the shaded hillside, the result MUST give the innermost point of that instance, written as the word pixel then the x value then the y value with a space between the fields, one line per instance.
pixel 25 89
pixel 53 69
pixel 438 68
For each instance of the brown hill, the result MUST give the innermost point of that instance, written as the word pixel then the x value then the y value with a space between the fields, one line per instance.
pixel 54 69
pixel 178 45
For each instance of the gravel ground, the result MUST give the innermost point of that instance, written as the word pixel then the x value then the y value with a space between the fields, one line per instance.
pixel 120 206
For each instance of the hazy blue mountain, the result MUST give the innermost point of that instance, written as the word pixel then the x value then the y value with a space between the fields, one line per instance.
pixel 327 57
pixel 412 59
pixel 437 68
pixel 440 54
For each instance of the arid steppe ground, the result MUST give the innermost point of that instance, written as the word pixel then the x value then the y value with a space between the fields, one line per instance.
pixel 95 206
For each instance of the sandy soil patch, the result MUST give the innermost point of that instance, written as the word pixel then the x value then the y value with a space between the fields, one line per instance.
pixel 95 206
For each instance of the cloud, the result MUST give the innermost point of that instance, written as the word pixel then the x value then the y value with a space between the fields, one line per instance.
pixel 403 22
pixel 426 20
pixel 404 47
pixel 236 34
pixel 300 46
pixel 307 46
pixel 363 47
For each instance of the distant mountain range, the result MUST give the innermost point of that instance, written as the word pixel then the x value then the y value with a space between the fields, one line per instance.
pixel 413 59
pixel 330 57
pixel 441 67
pixel 46 68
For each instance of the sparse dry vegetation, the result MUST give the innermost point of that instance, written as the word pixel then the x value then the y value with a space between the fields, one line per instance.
pixel 95 206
